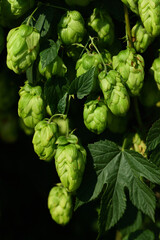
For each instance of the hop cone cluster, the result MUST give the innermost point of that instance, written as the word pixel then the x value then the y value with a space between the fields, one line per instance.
pixel 130 65
pixel 101 22
pixel 31 105
pixel 70 160
pixel 95 115
pixel 60 204
pixel 140 37
pixel 71 28
pixel 22 48
pixel 149 11
pixel 132 5
pixel 44 138
pixel 57 67
pixel 115 93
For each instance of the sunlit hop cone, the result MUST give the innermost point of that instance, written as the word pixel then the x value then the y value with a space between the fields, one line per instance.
pixel 31 106
pixel 60 204
pixel 140 37
pixel 115 93
pixel 130 65
pixel 44 138
pixel 101 22
pixel 132 5
pixel 71 28
pixel 149 11
pixel 57 67
pixel 155 68
pixel 70 160
pixel 22 48
pixel 95 115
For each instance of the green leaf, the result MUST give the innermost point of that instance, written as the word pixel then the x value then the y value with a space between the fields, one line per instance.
pixel 121 170
pixel 48 55
pixel 142 235
pixel 83 85
pixel 153 137
pixel 62 104
pixel 155 156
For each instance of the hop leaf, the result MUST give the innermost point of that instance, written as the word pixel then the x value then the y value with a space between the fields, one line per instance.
pixel 60 204
pixel 70 159
pixel 31 105
pixel 44 138
pixel 22 48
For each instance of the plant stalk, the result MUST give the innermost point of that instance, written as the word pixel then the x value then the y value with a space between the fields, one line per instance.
pixel 128 29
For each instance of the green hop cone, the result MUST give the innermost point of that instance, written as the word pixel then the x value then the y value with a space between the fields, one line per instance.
pixel 44 138
pixel 71 28
pixel 57 67
pixel 82 3
pixel 132 5
pixel 149 11
pixel 2 39
pixel 115 93
pixel 101 22
pixel 130 65
pixel 95 115
pixel 31 106
pixel 70 160
pixel 155 68
pixel 22 48
pixel 140 37
pixel 60 204
pixel 63 124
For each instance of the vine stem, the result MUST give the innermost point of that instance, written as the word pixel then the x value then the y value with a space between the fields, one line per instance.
pixel 53 6
pixel 29 19
pixel 128 29
pixel 92 42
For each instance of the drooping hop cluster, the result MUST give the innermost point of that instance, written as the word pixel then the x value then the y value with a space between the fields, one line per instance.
pixel 60 204
pixel 22 48
pixel 140 37
pixel 101 22
pixel 132 5
pixel 31 107
pixel 115 92
pixel 95 115
pixel 57 67
pixel 44 138
pixel 130 65
pixel 70 160
pixel 71 28
pixel 149 11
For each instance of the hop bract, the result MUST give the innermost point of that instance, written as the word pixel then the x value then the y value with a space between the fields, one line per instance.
pixel 71 28
pixel 44 138
pixel 31 107
pixel 149 11
pixel 60 204
pixel 132 4
pixel 130 65
pixel 95 115
pixel 57 67
pixel 115 93
pixel 140 37
pixel 70 160
pixel 101 22
pixel 22 48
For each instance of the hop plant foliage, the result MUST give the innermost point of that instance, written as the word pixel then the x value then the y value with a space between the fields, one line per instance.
pixel 60 204
pixel 22 48
pixel 31 106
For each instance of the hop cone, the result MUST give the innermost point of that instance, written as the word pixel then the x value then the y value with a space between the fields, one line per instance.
pixel 101 22
pixel 71 28
pixel 31 105
pixel 57 67
pixel 2 39
pixel 22 48
pixel 95 115
pixel 131 67
pixel 149 11
pixel 44 138
pixel 60 204
pixel 140 37
pixel 115 93
pixel 70 159
pixel 63 124
pixel 156 71
pixel 132 5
